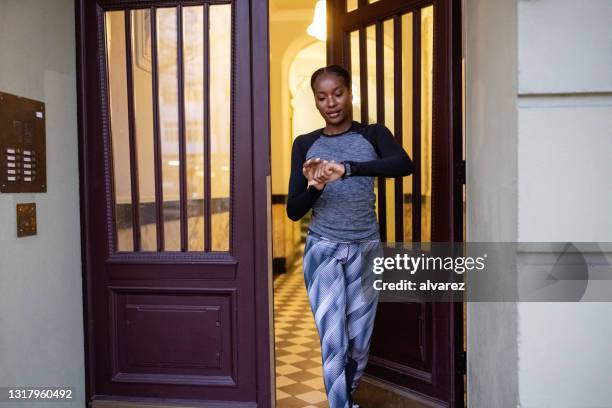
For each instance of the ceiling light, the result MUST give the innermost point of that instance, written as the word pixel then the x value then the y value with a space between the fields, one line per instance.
pixel 318 27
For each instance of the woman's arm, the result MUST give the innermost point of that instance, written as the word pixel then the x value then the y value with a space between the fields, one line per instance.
pixel 393 160
pixel 301 197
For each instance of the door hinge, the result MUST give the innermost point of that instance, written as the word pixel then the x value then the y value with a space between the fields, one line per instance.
pixel 461 362
pixel 460 172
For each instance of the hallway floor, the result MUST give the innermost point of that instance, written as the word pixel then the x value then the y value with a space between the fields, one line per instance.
pixel 299 380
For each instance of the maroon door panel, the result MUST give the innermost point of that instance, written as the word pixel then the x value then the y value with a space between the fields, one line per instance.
pixel 405 58
pixel 175 244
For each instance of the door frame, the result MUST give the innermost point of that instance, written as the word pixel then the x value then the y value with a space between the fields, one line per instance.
pixel 264 284
pixel 258 117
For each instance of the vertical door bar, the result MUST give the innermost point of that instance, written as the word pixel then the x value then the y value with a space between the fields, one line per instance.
pixel 416 125
pixel 363 71
pixel 206 129
pixel 335 45
pixel 346 52
pixel 380 118
pixel 132 131
pixel 159 198
pixel 398 123
pixel 380 74
pixel 182 147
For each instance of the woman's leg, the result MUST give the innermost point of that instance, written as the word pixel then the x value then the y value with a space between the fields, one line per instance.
pixel 324 278
pixel 362 301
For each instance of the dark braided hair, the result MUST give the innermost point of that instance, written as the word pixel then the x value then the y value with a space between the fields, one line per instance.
pixel 334 69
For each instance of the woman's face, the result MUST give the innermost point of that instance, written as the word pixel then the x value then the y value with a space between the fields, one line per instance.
pixel 333 99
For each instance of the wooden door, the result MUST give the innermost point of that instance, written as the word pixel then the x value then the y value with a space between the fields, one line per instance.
pixel 405 60
pixel 175 243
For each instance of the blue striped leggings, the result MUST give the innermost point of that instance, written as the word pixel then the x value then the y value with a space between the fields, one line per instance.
pixel 343 303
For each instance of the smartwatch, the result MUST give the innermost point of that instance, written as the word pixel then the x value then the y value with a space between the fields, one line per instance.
pixel 347 170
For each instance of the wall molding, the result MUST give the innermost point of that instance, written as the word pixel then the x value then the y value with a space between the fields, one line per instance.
pixel 564 100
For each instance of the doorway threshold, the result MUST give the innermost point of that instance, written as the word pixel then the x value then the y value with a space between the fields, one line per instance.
pixel 132 402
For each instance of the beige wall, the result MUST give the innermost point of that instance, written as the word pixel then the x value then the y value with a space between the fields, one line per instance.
pixel 287 38
pixel 564 191
pixel 41 335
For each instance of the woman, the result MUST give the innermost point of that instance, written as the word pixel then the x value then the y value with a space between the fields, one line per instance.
pixel 333 171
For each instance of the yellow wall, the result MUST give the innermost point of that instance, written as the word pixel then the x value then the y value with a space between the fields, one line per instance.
pixel 286 40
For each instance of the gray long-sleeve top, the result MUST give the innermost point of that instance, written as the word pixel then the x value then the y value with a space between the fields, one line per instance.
pixel 345 209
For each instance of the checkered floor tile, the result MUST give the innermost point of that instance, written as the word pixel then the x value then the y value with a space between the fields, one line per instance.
pixel 299 380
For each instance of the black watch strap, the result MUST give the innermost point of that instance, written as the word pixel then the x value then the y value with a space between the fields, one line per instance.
pixel 347 170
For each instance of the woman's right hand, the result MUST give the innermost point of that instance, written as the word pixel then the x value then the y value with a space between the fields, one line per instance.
pixel 310 172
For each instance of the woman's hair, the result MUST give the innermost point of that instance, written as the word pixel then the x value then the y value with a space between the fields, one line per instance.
pixel 333 69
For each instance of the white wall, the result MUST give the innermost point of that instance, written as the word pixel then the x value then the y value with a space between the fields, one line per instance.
pixel 41 335
pixel 491 157
pixel 564 46
pixel 565 190
pixel 539 154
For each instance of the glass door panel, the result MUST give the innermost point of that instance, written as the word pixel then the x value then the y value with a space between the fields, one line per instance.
pixel 117 77
pixel 171 147
pixel 426 120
